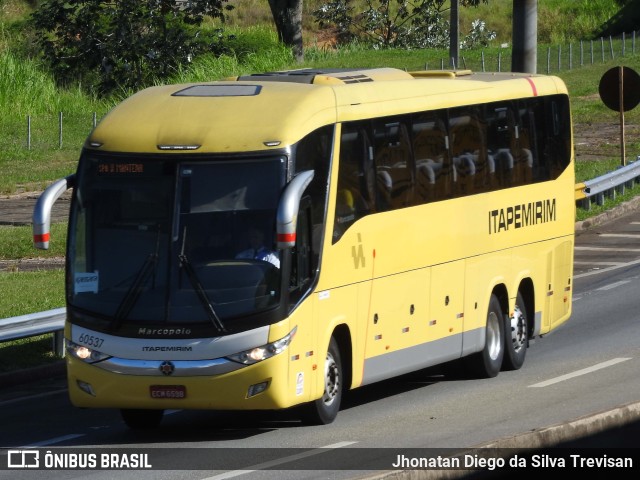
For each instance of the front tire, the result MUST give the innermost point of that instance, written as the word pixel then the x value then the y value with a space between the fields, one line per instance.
pixel 139 419
pixel 516 337
pixel 487 363
pixel 325 410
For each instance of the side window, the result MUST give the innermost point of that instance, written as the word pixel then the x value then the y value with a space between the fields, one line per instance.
pixel 550 136
pixel 469 151
pixel 314 153
pixel 355 194
pixel 560 141
pixel 431 151
pixel 501 144
pixel 527 152
pixel 541 163
pixel 394 163
pixel 302 261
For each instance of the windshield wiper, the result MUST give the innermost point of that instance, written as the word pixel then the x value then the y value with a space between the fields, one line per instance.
pixel 202 295
pixel 133 294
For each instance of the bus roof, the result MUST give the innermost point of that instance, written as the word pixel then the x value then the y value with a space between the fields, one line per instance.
pixel 275 109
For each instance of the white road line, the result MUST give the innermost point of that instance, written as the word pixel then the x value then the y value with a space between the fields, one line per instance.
pixel 595 272
pixel 31 397
pixel 577 373
pixel 620 235
pixel 53 441
pixel 599 263
pixel 279 461
pixel 613 285
pixel 606 249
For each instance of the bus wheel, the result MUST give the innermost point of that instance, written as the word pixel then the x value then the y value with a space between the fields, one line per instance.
pixel 139 419
pixel 487 363
pixel 516 337
pixel 325 409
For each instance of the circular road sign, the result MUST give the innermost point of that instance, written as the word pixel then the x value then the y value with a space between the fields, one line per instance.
pixel 619 79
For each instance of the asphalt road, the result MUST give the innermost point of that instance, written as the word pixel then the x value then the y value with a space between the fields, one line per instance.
pixel 18 209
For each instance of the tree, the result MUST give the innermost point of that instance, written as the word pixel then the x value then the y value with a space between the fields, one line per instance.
pixel 123 44
pixel 287 15
pixel 387 23
pixel 402 24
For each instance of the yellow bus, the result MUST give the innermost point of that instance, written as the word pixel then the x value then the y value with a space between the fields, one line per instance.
pixel 275 240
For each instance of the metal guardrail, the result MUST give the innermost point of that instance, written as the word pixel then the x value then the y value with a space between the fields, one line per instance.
pixel 52 321
pixel 33 324
pixel 608 185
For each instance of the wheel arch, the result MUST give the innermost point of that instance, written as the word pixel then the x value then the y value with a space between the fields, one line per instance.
pixel 342 334
pixel 527 290
pixel 500 291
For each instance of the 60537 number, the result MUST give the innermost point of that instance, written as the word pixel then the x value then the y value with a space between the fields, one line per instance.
pixel 91 340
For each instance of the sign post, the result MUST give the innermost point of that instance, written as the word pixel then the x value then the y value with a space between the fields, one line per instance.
pixel 620 90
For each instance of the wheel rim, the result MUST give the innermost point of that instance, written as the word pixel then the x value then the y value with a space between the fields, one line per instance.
pixel 331 380
pixel 518 329
pixel 493 335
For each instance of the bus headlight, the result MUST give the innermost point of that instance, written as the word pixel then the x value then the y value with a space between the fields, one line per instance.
pixel 258 354
pixel 84 353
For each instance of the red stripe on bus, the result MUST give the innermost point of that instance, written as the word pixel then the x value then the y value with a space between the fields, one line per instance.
pixel 533 86
pixel 42 238
pixel 287 237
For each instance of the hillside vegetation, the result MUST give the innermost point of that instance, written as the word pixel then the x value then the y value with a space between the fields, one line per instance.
pixel 28 92
pixel 587 18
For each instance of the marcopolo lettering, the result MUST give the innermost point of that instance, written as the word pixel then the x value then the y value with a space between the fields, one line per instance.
pixel 522 215
pixel 164 331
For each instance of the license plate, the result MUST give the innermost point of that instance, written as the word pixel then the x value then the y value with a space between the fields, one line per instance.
pixel 174 392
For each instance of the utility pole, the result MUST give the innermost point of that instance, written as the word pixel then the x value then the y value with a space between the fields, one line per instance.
pixel 454 44
pixel 525 36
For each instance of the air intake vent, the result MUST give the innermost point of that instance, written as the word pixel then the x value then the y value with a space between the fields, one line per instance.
pixel 354 78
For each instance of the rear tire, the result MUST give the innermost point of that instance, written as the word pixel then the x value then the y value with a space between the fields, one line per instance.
pixel 487 363
pixel 516 339
pixel 325 410
pixel 139 419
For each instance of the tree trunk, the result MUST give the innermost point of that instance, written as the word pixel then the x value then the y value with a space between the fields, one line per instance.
pixel 287 15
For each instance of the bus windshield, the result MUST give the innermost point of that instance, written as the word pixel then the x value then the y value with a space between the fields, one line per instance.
pixel 165 242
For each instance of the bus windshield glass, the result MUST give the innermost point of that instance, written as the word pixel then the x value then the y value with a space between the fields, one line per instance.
pixel 164 242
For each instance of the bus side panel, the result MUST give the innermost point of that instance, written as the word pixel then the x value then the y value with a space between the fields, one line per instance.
pixel 303 354
pixel 559 273
pixel 335 307
pixel 563 280
pixel 547 264
pixel 483 273
pixel 431 335
pixel 396 320
pixel 446 318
